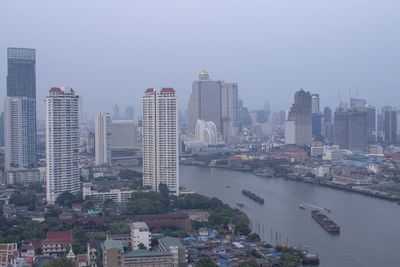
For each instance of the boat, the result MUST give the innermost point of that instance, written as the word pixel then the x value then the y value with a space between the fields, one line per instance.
pixel 227 186
pixel 327 210
pixel 302 207
pixel 325 222
pixel 253 196
pixel 240 204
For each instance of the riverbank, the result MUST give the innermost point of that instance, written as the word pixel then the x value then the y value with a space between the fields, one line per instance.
pixel 315 181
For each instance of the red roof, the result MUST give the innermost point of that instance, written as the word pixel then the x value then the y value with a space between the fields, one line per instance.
pixel 77 205
pixel 149 90
pixel 55 90
pixel 167 90
pixel 29 260
pixel 58 238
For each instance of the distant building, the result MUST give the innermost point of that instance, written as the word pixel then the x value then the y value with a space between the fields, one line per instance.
pixel 123 134
pixel 115 114
pixel 9 255
pixel 298 129
pixel 160 139
pixel 357 103
pixel 229 108
pixel 23 176
pixel 205 101
pixel 112 253
pixel 317 126
pixel 315 103
pixel 102 127
pixel 371 124
pixel 140 234
pixel 350 129
pixel 62 143
pixel 390 125
pixel 206 132
pixel 117 195
pixel 130 113
pixel 332 153
pixel 327 115
pixel 140 258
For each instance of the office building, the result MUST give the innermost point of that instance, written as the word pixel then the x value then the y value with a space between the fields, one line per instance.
pixel 20 109
pixel 206 132
pixel 19 132
pixel 102 124
pixel 390 125
pixel 371 124
pixel 124 134
pixel 350 129
pixel 2 129
pixel 298 129
pixel 140 234
pixel 229 108
pixel 62 143
pixel 176 248
pixel 205 102
pixel 130 113
pixel 315 103
pixel 160 139
pixel 115 114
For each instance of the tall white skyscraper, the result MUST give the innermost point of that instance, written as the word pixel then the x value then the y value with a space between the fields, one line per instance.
pixel 160 139
pixel 62 143
pixel 102 124
pixel 19 118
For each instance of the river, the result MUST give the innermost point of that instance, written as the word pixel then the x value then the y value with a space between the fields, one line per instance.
pixel 370 227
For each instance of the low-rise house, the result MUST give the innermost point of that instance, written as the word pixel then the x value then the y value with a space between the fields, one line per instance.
pixel 56 243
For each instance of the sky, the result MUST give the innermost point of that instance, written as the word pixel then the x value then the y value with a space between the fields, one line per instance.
pixel 111 51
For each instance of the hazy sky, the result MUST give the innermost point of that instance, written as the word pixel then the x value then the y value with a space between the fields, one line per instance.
pixel 111 51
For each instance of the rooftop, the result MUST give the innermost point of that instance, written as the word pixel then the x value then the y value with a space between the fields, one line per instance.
pixel 109 244
pixel 140 225
pixel 146 253
pixel 170 242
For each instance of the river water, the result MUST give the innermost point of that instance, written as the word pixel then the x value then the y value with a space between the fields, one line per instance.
pixel 369 227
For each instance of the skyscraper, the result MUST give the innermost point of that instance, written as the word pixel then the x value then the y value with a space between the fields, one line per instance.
pixel 20 150
pixel 20 109
pixel 205 102
pixel 315 103
pixel 298 129
pixel 229 108
pixel 390 125
pixel 103 138
pixel 160 139
pixel 206 132
pixel 115 114
pixel 371 124
pixel 62 143
pixel 350 129
pixel 130 113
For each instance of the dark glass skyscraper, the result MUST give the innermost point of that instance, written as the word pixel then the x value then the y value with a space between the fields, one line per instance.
pixel 21 77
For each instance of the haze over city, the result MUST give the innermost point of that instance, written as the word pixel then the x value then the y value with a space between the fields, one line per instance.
pixel 112 51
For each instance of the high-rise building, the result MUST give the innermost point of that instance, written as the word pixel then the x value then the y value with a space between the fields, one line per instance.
pixel 2 128
pixel 206 132
pixel 130 113
pixel 115 114
pixel 390 125
pixel 102 124
pixel 315 103
pixel 356 103
pixel 350 129
pixel 317 126
pixel 371 124
pixel 205 102
pixel 229 108
pixel 124 134
pixel 160 139
pixel 20 142
pixel 20 109
pixel 298 129
pixel 327 115
pixel 62 143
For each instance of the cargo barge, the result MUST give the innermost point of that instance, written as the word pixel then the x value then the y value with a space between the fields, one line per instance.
pixel 327 223
pixel 253 196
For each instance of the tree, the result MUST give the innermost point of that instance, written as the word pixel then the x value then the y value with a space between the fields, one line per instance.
pixel 36 186
pixel 165 194
pixel 81 240
pixel 67 198
pixel 205 262
pixel 60 262
pixel 249 263
pixel 141 246
pixel 253 237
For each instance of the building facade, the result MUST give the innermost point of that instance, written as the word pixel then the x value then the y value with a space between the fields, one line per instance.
pixel 102 124
pixel 205 102
pixel 160 139
pixel 390 125
pixel 140 234
pixel 124 134
pixel 298 130
pixel 20 109
pixel 206 132
pixel 62 143
pixel 350 129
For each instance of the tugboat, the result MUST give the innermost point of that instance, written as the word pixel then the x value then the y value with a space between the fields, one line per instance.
pixel 227 186
pixel 240 204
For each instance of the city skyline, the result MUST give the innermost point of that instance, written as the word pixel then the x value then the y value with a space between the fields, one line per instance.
pixel 266 52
